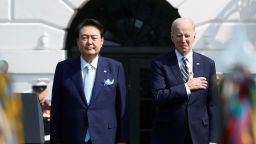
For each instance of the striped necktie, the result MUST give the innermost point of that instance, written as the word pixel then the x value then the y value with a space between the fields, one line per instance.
pixel 184 69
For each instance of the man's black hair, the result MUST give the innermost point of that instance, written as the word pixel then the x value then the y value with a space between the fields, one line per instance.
pixel 90 22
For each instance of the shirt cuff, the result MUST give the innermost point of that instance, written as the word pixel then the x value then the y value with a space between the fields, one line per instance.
pixel 187 89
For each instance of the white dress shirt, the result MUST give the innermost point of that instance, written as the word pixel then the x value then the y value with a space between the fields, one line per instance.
pixel 189 57
pixel 93 64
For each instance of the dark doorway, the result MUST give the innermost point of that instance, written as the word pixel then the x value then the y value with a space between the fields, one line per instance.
pixel 133 23
pixel 135 32
pixel 140 106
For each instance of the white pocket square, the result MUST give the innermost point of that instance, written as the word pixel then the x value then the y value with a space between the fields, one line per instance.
pixel 108 82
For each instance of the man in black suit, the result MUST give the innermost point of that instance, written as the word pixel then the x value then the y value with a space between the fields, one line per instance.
pixel 89 94
pixel 184 91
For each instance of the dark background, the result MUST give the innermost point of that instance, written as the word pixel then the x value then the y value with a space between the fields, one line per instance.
pixel 136 31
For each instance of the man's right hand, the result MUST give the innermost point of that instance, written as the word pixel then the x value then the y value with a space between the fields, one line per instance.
pixel 196 83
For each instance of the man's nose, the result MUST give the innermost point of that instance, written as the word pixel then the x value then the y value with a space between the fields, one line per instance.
pixel 89 40
pixel 183 38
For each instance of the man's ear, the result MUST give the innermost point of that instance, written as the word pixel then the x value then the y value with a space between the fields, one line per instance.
pixel 171 37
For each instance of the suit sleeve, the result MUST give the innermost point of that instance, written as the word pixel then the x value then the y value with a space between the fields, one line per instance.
pixel 121 107
pixel 55 107
pixel 162 91
pixel 214 107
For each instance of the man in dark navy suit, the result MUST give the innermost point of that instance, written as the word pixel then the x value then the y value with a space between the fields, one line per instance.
pixel 184 91
pixel 89 94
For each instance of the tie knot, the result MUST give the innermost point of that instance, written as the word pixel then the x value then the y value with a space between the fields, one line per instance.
pixel 88 67
pixel 184 59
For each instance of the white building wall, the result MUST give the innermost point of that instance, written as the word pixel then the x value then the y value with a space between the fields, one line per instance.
pixel 33 32
pixel 32 37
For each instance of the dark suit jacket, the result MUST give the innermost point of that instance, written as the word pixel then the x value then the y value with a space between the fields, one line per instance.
pixel 105 116
pixel 174 110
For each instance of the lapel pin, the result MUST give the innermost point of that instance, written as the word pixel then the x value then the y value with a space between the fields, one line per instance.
pixel 197 63
pixel 105 71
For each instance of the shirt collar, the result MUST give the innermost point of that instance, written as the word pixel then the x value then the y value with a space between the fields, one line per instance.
pixel 189 56
pixel 93 64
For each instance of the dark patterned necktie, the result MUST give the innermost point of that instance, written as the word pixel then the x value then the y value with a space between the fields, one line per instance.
pixel 184 69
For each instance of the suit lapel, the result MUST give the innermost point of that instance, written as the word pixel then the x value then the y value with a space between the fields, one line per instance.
pixel 175 66
pixel 76 76
pixel 198 72
pixel 197 65
pixel 99 79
